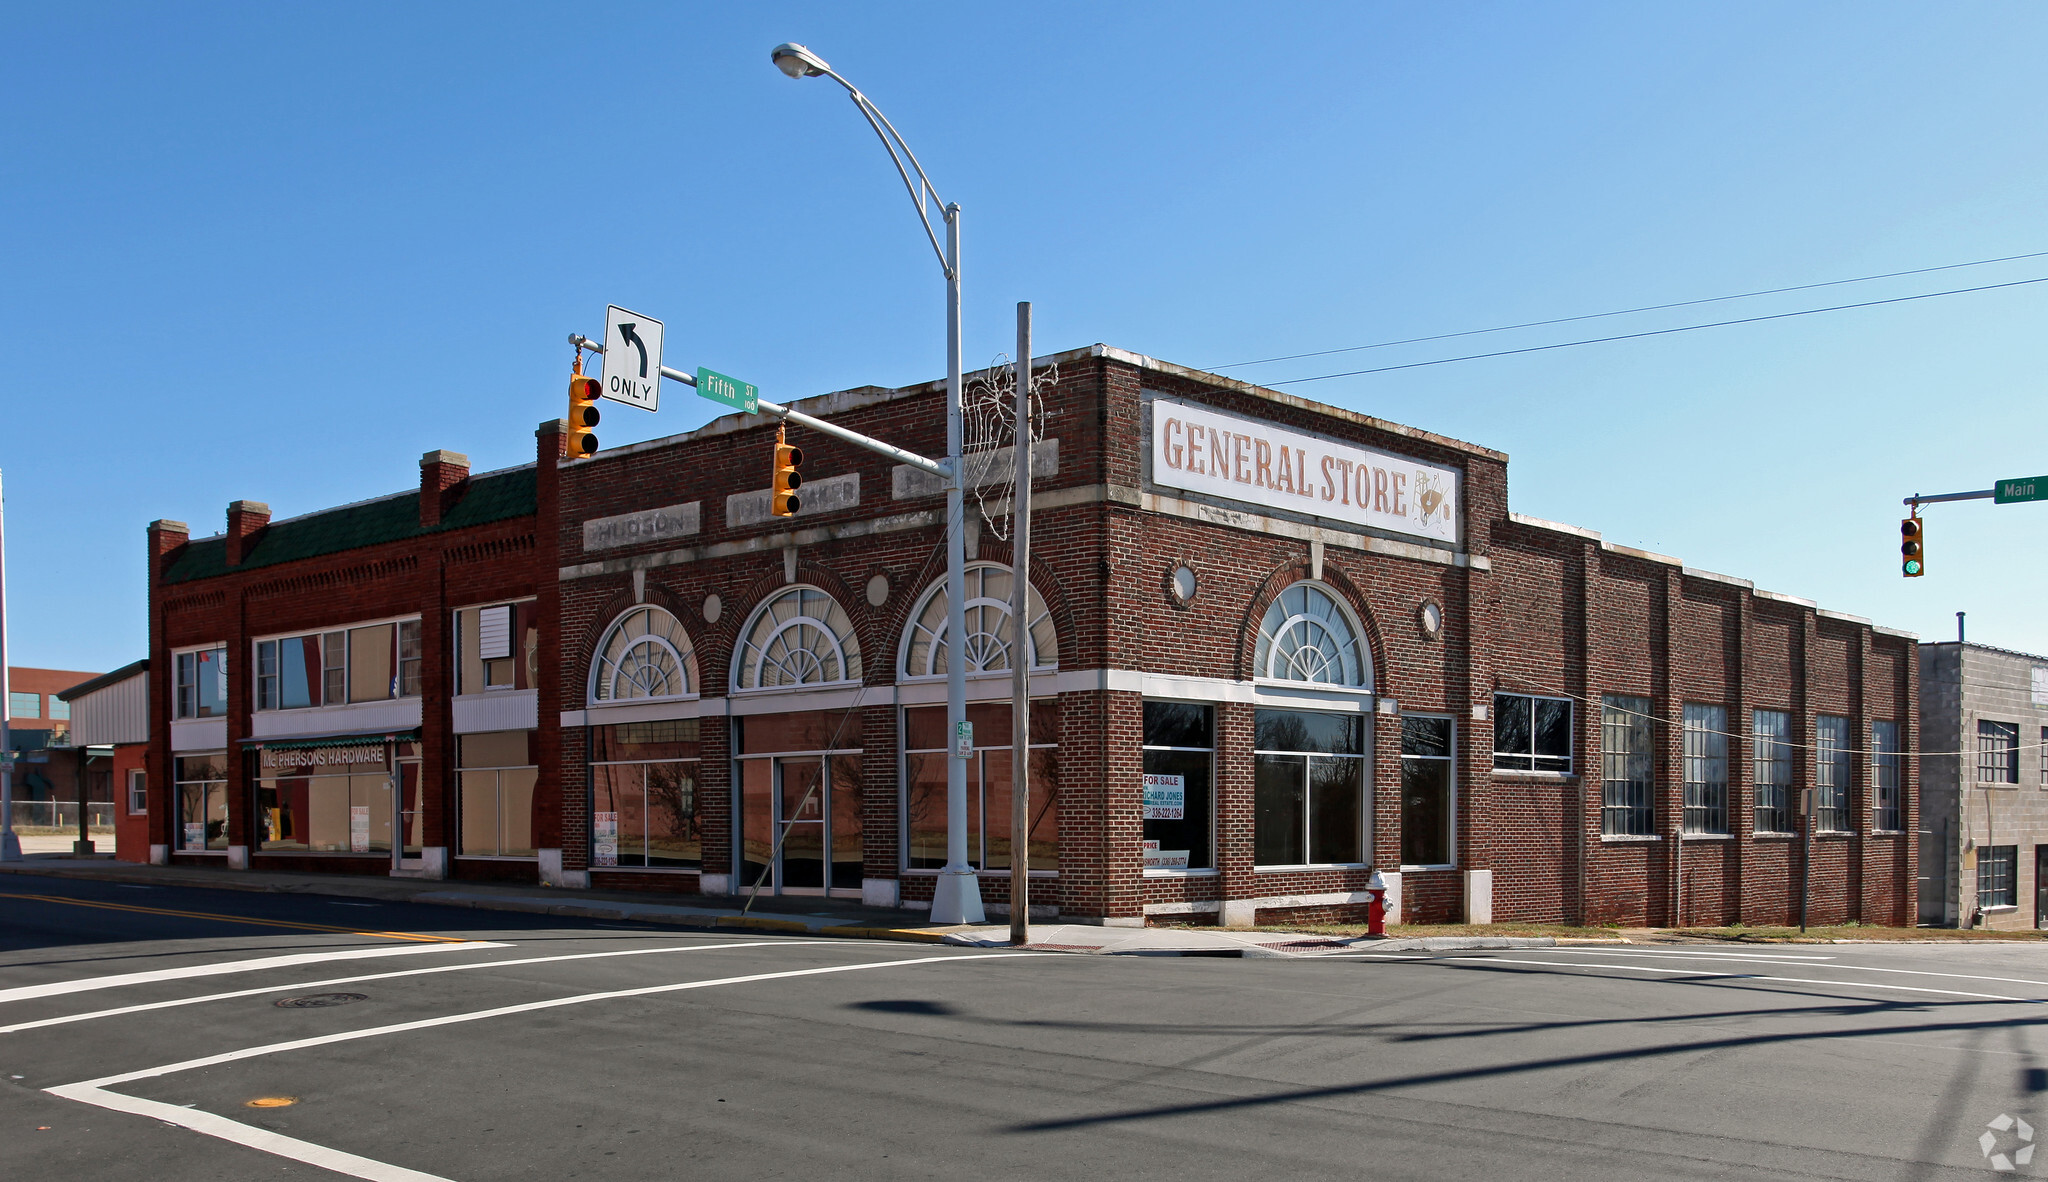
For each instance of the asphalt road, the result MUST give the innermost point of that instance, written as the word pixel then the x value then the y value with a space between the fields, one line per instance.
pixel 138 1024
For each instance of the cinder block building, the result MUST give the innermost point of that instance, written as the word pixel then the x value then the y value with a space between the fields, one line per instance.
pixel 1984 819
pixel 1275 645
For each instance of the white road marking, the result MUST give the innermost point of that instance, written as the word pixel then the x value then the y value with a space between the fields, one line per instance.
pixel 221 968
pixel 1638 968
pixel 94 1091
pixel 259 1139
pixel 441 968
pixel 1785 958
pixel 1845 968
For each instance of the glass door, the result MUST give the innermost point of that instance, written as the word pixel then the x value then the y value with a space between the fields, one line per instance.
pixel 800 818
pixel 800 824
pixel 408 816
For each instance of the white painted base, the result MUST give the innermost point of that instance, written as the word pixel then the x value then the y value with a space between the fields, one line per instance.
pixel 714 884
pixel 880 892
pixel 238 857
pixel 956 898
pixel 552 874
pixel 1038 910
pixel 159 855
pixel 434 862
pixel 1393 880
pixel 1479 896
pixel 1240 913
pixel 1123 921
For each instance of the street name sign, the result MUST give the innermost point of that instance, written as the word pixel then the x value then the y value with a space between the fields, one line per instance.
pixel 632 358
pixel 728 390
pixel 2024 488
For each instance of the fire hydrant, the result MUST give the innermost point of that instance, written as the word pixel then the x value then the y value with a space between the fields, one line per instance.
pixel 1376 911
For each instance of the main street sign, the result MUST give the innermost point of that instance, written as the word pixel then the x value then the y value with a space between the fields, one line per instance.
pixel 2024 488
pixel 727 390
pixel 632 358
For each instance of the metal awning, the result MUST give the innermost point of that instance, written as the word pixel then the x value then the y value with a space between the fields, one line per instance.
pixel 321 742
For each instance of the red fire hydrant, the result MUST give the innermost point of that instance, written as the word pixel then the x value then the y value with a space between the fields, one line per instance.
pixel 1376 911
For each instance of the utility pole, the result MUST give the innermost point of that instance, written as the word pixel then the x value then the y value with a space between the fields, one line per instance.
pixel 10 845
pixel 1020 648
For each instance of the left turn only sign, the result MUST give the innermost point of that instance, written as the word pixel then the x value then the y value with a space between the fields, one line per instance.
pixel 632 358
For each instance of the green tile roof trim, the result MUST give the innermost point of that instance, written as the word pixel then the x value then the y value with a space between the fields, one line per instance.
pixel 496 496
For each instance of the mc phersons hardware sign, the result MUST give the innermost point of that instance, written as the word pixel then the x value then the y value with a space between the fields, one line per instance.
pixel 1203 451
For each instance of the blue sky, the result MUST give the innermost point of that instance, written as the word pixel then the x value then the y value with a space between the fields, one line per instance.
pixel 278 251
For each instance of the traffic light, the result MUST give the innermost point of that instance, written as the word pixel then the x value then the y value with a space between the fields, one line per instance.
pixel 582 413
pixel 1912 560
pixel 782 498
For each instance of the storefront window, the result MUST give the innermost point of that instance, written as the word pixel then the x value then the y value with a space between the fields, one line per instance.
pixel 1178 806
pixel 202 683
pixel 337 799
pixel 1308 789
pixel 201 790
pixel 1425 791
pixel 644 778
pixel 989 631
pixel 644 654
pixel 989 839
pixel 800 636
pixel 800 801
pixel 496 773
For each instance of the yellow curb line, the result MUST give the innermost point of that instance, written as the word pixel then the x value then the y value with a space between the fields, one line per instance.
pixel 911 934
pixel 766 925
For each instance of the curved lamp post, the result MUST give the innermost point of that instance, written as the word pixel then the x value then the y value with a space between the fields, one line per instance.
pixel 957 895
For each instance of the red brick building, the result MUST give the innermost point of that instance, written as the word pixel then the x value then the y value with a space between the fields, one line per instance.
pixel 1276 645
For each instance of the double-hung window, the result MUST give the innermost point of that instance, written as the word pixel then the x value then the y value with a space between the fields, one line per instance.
pixel 1887 776
pixel 366 663
pixel 1706 769
pixel 1998 752
pixel 1532 734
pixel 1772 747
pixel 201 683
pixel 1831 774
pixel 1998 875
pixel 1626 763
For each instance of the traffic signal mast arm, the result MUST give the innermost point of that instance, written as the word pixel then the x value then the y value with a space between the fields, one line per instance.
pixel 938 468
pixel 1916 500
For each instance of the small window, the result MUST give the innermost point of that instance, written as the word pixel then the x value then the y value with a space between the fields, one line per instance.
pixel 1627 760
pixel 1831 774
pixel 1532 734
pixel 24 705
pixel 200 688
pixel 333 668
pixel 1706 769
pixel 1887 766
pixel 1998 876
pixel 1426 812
pixel 1998 752
pixel 138 791
pixel 409 654
pixel 60 710
pixel 1773 748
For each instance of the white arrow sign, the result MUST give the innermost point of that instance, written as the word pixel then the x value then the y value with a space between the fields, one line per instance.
pixel 632 358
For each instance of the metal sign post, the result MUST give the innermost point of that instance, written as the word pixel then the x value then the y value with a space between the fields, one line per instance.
pixel 10 845
pixel 1020 649
pixel 1805 852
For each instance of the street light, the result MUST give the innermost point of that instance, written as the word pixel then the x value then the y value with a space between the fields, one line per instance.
pixel 957 896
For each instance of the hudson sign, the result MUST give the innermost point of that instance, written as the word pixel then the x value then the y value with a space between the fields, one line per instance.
pixel 1202 451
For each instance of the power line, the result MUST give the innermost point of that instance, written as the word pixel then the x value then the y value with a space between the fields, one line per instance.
pixel 1631 336
pixel 1472 332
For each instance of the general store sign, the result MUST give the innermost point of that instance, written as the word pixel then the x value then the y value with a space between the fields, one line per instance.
pixel 1201 450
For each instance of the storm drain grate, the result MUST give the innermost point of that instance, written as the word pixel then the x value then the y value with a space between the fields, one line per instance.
pixel 1309 944
pixel 315 1001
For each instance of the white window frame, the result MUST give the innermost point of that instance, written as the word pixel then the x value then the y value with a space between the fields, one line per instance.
pixel 1364 756
pixel 256 665
pixel 186 651
pixel 1267 642
pixel 1571 709
pixel 138 791
pixel 748 656
pixel 937 638
pixel 685 660
pixel 455 646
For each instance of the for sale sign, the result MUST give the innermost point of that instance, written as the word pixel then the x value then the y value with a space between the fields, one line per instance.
pixel 1166 797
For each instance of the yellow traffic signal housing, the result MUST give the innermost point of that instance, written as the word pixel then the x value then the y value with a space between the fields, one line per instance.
pixel 782 498
pixel 582 416
pixel 1912 557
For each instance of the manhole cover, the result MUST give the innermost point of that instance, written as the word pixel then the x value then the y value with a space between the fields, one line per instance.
pixel 314 1001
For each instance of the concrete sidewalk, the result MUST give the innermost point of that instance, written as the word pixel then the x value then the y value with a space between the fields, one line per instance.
pixel 794 915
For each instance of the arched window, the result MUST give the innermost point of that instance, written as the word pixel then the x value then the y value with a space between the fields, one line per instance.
pixel 644 654
pixel 925 647
pixel 1308 636
pixel 800 636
